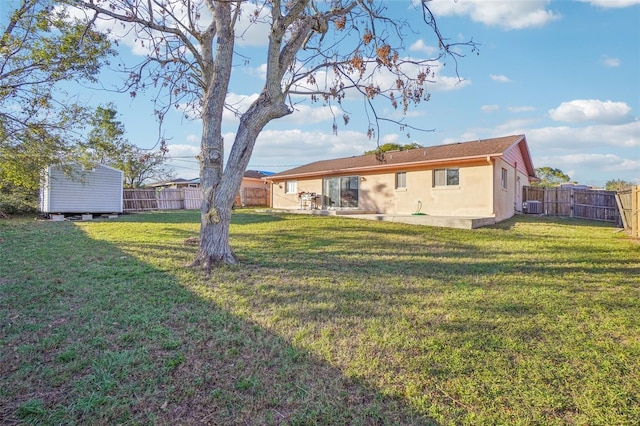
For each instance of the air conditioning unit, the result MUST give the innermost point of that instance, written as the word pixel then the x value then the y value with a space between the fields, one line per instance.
pixel 534 207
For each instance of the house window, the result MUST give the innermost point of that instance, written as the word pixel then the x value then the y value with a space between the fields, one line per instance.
pixel 446 177
pixel 401 180
pixel 291 187
pixel 504 179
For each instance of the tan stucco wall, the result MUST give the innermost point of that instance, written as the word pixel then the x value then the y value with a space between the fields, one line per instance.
pixel 252 183
pixel 377 193
pixel 508 201
pixel 282 200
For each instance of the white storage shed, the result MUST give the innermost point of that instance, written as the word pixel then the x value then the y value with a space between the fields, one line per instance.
pixel 97 190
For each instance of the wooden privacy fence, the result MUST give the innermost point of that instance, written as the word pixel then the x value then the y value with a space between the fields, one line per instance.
pixel 248 197
pixel 143 199
pixel 629 203
pixel 593 204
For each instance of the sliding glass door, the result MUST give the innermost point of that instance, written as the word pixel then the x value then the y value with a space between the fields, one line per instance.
pixel 342 191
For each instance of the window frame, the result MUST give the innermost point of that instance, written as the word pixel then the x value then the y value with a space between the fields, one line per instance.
pixel 401 180
pixel 446 177
pixel 291 184
pixel 504 178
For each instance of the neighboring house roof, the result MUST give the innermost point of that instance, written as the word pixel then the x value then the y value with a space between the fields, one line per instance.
pixel 433 155
pixel 253 174
pixel 256 174
pixel 177 181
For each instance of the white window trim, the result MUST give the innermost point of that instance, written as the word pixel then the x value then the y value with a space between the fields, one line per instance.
pixel 294 183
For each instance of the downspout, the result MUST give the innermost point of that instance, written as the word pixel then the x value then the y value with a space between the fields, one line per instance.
pixel 492 197
pixel 272 183
pixel 515 189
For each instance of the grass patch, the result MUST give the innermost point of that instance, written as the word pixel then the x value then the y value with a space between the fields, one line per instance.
pixel 328 320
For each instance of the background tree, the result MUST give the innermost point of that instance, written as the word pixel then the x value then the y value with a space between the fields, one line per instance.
pixel 617 185
pixel 142 166
pixel 40 47
pixel 191 47
pixel 550 177
pixel 393 147
pixel 105 141
pixel 107 145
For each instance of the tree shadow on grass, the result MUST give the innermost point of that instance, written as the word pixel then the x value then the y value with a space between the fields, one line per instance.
pixel 91 335
pixel 508 316
pixel 239 217
pixel 556 220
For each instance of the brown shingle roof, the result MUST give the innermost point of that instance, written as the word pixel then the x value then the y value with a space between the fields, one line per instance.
pixel 432 154
pixel 255 174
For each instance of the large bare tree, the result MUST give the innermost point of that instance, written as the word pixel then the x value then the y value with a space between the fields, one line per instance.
pixel 319 49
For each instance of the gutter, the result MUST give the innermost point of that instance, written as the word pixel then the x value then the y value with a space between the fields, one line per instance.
pixel 381 167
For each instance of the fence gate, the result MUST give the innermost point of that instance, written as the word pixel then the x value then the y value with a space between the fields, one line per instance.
pixel 629 205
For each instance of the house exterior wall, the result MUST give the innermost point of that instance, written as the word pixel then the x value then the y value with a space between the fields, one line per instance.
pixel 280 199
pixel 252 192
pixel 95 191
pixel 504 199
pixel 508 199
pixel 378 193
pixel 252 183
pixel 488 181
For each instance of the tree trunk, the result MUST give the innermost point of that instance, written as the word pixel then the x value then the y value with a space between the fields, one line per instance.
pixel 216 209
pixel 214 238
pixel 220 188
pixel 218 200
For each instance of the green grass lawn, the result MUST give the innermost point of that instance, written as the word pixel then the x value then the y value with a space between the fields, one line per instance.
pixel 327 321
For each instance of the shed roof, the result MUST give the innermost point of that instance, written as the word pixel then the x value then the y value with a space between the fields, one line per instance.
pixel 432 155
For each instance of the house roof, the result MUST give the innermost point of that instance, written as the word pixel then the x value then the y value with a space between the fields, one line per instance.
pixel 254 174
pixel 432 155
pixel 171 182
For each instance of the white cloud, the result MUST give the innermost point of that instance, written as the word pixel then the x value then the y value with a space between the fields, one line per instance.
pixel 590 110
pixel 605 4
pixel 509 15
pixel 419 46
pixel 283 149
pixel 565 138
pixel 305 115
pixel 611 62
pixel 489 108
pixel 523 108
pixel 252 30
pixel 603 162
pixel 183 150
pixel 500 78
pixel 382 77
pixel 181 158
pixel 237 104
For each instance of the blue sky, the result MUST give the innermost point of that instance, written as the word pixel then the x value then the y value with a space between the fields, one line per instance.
pixel 564 73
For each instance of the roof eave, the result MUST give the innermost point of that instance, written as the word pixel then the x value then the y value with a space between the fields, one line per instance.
pixel 377 167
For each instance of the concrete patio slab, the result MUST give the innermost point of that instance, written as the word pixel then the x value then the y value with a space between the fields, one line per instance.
pixel 460 222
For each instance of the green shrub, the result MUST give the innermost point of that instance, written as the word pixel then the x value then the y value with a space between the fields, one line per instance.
pixel 17 200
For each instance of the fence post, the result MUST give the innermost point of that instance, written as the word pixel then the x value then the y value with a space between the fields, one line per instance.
pixel 635 201
pixel 572 202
